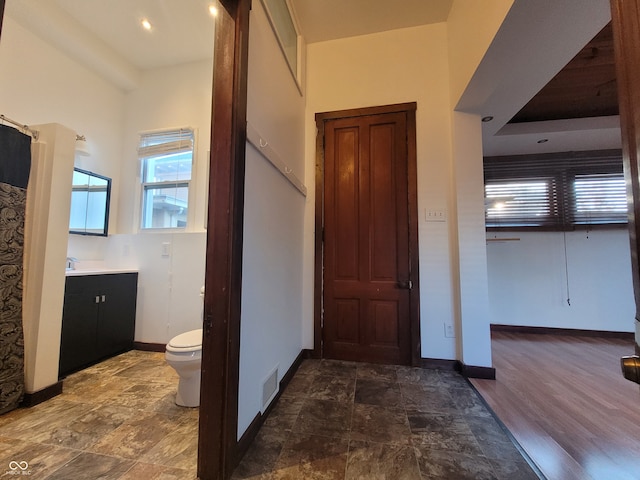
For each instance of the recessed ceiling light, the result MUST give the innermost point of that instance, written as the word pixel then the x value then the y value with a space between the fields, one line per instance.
pixel 213 10
pixel 486 119
pixel 543 140
pixel 146 24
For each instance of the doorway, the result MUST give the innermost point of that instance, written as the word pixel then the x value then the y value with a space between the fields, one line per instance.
pixel 367 288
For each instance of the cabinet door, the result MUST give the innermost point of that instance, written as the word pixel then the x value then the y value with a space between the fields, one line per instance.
pixel 117 315
pixel 79 325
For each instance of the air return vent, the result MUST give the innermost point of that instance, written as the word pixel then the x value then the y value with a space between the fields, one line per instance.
pixel 269 388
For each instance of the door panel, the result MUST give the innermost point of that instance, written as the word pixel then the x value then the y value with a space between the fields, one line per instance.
pixel 366 246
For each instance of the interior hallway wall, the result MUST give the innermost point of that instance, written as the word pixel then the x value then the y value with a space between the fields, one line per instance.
pixel 270 335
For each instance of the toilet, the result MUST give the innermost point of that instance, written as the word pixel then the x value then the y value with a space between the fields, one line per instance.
pixel 184 354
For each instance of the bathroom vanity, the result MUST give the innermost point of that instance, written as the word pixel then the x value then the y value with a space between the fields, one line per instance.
pixel 98 319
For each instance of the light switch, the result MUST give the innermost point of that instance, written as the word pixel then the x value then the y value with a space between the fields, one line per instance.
pixel 166 249
pixel 435 215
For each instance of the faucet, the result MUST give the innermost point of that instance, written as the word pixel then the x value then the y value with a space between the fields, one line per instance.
pixel 71 263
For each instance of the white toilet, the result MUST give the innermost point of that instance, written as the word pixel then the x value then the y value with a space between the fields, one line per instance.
pixel 184 354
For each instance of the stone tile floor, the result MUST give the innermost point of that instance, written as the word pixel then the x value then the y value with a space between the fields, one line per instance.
pixel 348 421
pixel 115 420
pixel 335 420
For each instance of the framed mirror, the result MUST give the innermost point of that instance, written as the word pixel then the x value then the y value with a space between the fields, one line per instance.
pixel 90 196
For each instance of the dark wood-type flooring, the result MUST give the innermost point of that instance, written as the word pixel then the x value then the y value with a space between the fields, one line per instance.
pixel 567 404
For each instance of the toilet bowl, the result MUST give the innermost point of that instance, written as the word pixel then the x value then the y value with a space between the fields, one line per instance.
pixel 184 354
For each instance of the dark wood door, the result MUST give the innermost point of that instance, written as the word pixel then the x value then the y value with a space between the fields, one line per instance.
pixel 367 280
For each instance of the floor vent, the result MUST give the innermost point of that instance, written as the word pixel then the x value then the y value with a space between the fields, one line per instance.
pixel 269 388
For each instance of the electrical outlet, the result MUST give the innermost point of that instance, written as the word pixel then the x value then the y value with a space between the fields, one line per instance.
pixel 449 331
pixel 166 249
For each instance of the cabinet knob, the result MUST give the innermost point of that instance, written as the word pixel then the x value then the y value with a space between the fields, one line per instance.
pixel 104 298
pixel 97 298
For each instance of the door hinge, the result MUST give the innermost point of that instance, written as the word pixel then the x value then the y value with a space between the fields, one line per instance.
pixel 208 322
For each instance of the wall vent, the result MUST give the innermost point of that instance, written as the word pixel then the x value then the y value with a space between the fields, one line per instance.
pixel 269 388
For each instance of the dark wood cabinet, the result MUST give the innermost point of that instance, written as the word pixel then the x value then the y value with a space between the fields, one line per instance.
pixel 98 319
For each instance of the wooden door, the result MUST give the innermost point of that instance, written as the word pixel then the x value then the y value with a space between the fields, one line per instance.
pixel 367 274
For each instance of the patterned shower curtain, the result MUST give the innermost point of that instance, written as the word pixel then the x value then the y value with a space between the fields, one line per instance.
pixel 15 164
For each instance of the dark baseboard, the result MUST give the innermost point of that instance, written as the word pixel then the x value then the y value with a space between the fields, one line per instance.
pixel 250 434
pixel 247 437
pixel 438 363
pixel 471 371
pixel 468 371
pixel 562 331
pixel 33 399
pixel 149 347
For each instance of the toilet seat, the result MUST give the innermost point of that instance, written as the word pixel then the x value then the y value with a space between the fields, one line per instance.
pixel 190 341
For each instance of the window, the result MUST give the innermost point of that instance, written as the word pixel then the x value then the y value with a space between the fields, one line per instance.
pixel 600 199
pixel 166 163
pixel 556 191
pixel 283 25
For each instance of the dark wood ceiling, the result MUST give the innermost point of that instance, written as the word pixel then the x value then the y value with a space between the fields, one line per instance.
pixel 585 87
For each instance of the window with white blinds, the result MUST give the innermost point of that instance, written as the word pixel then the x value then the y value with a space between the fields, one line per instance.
pixel 599 198
pixel 166 164
pixel 555 191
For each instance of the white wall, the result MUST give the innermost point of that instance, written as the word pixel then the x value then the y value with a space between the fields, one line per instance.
pixel 168 286
pixel 273 224
pixel 472 26
pixel 169 300
pixel 407 65
pixel 45 85
pixel 47 217
pixel 178 96
pixel 528 280
pixel 468 230
pixel 40 85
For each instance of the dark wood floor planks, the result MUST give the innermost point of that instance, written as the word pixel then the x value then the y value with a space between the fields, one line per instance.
pixel 566 402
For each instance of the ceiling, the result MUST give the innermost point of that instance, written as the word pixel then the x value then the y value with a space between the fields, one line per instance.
pixel 576 110
pixel 586 87
pixel 322 20
pixel 181 31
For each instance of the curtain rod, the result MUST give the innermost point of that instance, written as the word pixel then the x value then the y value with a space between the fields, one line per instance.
pixel 34 133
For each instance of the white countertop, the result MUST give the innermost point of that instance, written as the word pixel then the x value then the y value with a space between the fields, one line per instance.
pixel 98 271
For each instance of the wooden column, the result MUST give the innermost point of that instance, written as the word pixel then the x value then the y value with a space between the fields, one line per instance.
pixel 626 32
pixel 217 443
